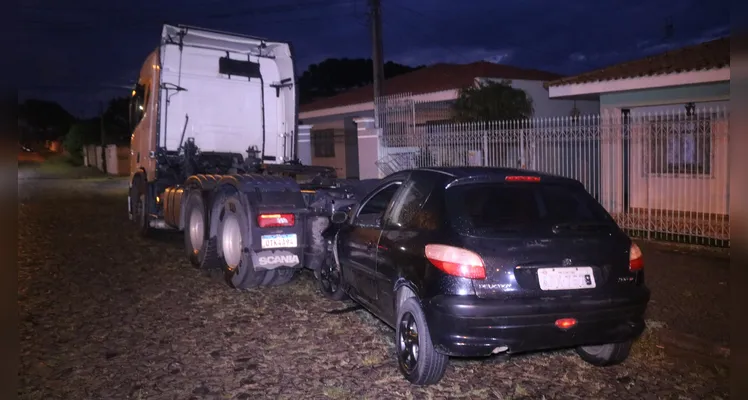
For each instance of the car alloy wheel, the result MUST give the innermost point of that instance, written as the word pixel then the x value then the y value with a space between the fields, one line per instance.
pixel 407 348
pixel 330 276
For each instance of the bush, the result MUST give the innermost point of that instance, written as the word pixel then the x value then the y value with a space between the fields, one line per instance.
pixel 63 160
pixel 80 134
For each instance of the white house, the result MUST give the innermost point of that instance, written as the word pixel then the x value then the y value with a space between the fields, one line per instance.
pixel 334 137
pixel 666 120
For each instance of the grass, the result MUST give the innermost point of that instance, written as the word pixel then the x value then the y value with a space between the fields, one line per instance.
pixel 66 166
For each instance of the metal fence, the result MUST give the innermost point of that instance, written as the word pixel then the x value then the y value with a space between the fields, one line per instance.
pixel 663 176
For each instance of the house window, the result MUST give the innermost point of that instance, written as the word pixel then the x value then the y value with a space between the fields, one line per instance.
pixel 682 146
pixel 324 143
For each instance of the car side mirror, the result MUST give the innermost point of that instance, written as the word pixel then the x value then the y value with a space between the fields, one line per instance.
pixel 339 217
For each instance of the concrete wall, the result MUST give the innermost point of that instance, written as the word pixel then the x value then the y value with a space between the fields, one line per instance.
pixel 683 193
pixel 345 159
pixel 368 148
pixel 117 159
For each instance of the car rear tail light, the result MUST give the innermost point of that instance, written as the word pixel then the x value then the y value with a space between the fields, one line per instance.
pixel 522 179
pixel 636 262
pixel 456 261
pixel 275 220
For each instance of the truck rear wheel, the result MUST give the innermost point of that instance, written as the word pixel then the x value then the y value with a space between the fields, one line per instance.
pixel 195 228
pixel 233 242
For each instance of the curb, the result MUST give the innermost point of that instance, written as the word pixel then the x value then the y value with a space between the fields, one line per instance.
pixel 687 249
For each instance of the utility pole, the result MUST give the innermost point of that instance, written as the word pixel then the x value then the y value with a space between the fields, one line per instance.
pixel 375 19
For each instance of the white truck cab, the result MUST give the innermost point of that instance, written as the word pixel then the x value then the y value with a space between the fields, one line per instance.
pixel 226 92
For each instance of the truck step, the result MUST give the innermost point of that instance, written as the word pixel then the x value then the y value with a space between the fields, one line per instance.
pixel 159 224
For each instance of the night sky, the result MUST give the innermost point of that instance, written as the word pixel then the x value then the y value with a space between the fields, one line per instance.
pixel 80 52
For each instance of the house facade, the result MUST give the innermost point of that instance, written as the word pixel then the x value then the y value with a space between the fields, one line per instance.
pixel 335 131
pixel 666 120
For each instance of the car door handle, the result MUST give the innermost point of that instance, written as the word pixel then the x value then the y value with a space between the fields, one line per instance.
pixel 369 245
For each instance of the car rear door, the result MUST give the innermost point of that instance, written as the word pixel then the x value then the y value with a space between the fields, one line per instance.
pixel 357 243
pixel 404 234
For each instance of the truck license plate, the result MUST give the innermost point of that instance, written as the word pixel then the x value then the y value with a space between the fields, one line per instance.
pixel 566 278
pixel 278 241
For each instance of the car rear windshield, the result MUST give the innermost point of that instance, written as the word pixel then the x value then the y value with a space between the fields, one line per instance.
pixel 499 207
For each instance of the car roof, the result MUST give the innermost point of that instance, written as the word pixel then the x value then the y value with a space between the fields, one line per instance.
pixel 487 172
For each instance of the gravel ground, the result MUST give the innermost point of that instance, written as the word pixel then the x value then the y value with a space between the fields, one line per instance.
pixel 107 315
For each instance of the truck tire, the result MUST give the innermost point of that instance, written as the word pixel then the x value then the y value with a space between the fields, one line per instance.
pixel 139 206
pixel 196 227
pixel 279 276
pixel 233 243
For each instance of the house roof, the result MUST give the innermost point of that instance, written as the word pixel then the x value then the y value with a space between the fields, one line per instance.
pixel 431 79
pixel 703 56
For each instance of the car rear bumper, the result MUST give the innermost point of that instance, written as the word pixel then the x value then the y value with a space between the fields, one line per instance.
pixel 468 326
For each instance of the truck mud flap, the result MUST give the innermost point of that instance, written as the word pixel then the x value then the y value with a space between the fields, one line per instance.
pixel 276 258
pixel 212 260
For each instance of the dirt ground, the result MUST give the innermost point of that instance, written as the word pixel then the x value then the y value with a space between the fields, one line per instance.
pixel 107 315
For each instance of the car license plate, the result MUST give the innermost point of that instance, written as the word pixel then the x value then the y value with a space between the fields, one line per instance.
pixel 278 241
pixel 566 278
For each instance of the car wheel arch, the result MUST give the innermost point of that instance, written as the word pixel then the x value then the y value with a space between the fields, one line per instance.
pixel 404 290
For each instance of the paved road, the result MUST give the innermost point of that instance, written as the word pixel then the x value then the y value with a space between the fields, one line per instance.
pixel 107 315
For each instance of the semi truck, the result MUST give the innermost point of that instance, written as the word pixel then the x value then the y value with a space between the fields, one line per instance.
pixel 214 154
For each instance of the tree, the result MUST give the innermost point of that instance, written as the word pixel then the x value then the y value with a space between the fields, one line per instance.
pixel 492 101
pixel 80 134
pixel 335 75
pixel 116 121
pixel 44 120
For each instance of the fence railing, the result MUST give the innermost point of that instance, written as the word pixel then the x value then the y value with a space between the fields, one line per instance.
pixel 661 175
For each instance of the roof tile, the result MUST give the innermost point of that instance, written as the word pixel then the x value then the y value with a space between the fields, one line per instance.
pixel 703 56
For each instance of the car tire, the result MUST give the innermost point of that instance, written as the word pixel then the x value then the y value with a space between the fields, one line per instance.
pixel 605 354
pixel 420 365
pixel 234 243
pixel 329 279
pixel 195 229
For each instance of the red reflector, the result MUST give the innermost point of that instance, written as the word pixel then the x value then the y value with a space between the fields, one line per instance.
pixel 522 179
pixel 566 323
pixel 636 262
pixel 456 261
pixel 275 220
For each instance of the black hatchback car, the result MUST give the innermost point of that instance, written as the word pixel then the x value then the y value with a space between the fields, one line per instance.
pixel 477 261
